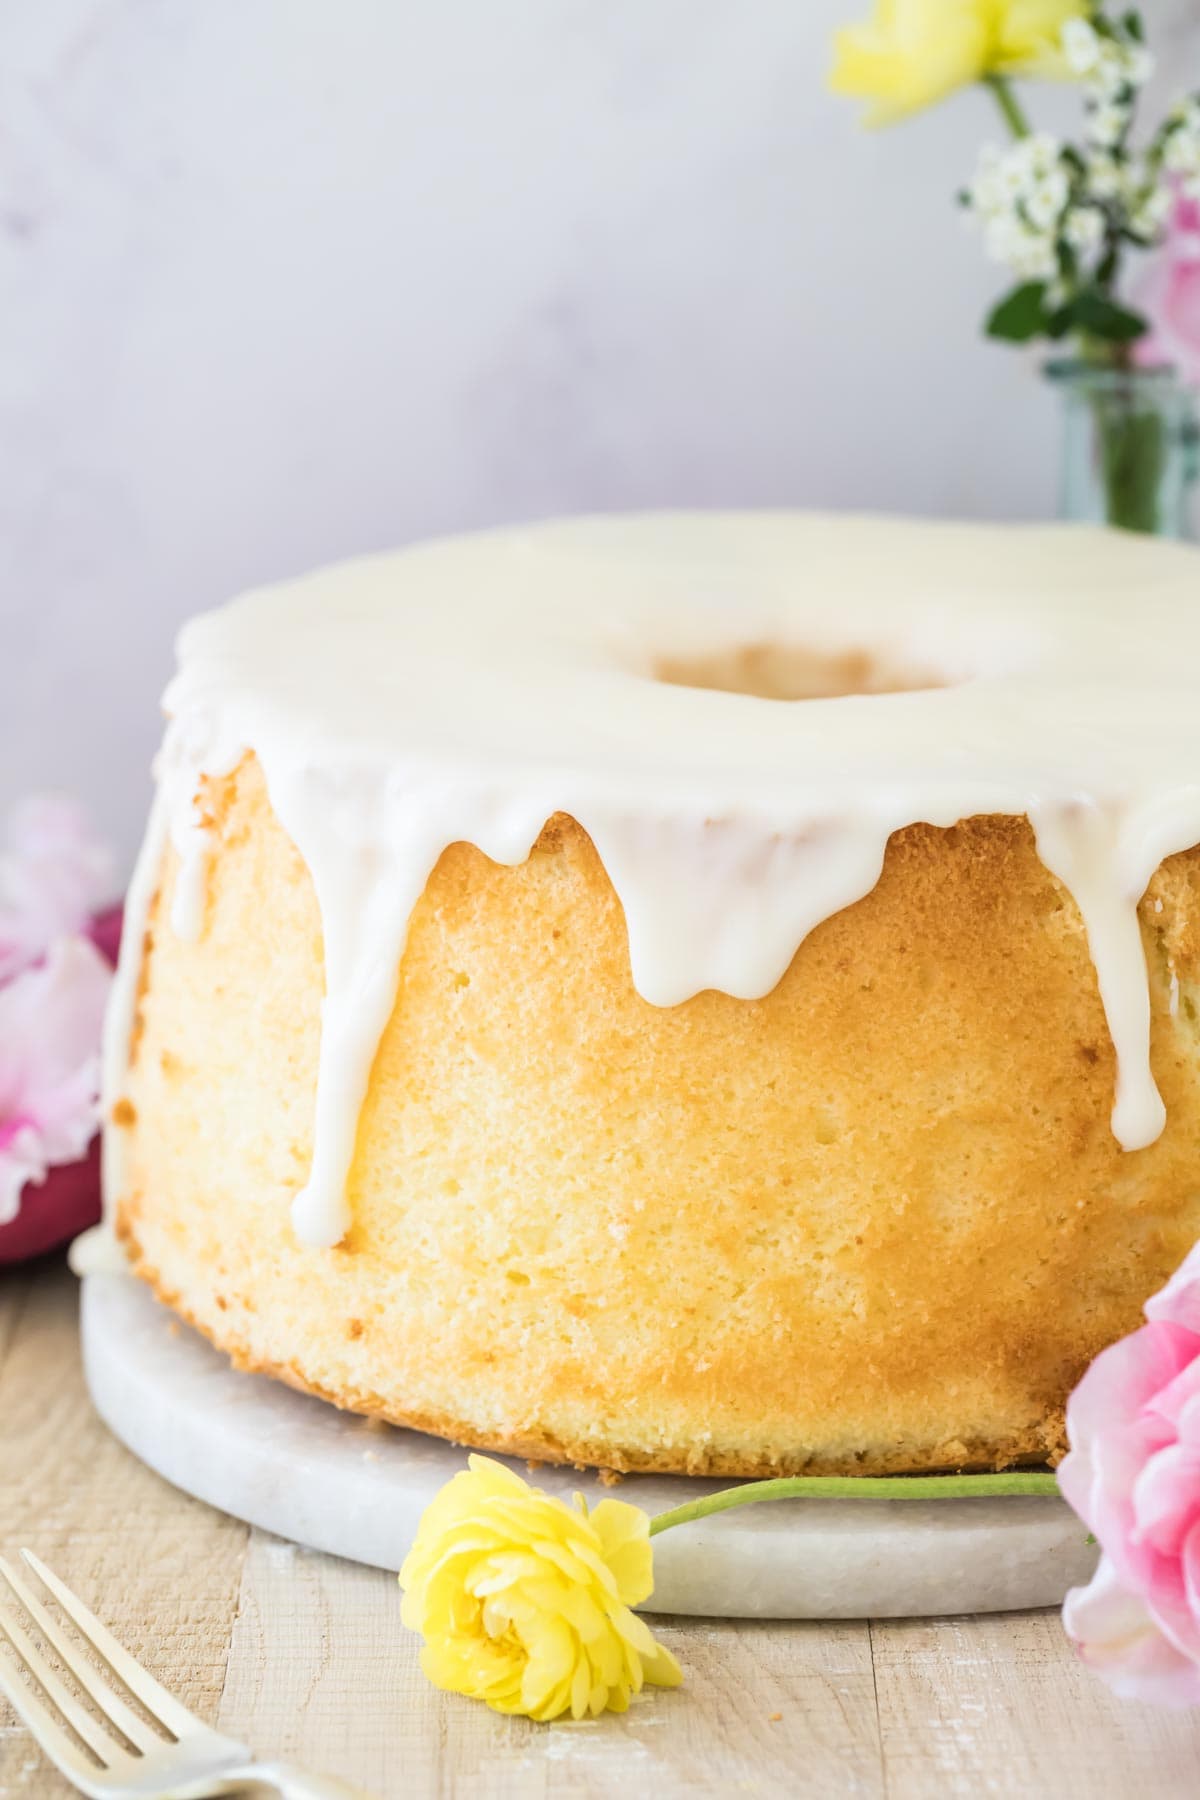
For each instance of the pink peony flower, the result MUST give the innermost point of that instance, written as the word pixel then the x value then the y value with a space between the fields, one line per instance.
pixel 1133 1476
pixel 1170 296
pixel 54 874
pixel 55 952
pixel 50 1020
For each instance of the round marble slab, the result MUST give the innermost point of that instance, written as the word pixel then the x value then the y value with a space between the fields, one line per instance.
pixel 334 1482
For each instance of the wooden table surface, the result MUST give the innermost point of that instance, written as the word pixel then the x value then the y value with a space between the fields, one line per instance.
pixel 303 1655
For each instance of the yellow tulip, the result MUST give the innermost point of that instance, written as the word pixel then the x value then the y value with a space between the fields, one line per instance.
pixel 523 1601
pixel 911 53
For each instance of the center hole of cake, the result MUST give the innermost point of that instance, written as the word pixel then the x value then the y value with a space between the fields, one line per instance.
pixel 785 672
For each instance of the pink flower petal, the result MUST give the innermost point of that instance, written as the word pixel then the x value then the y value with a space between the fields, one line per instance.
pixel 1179 1302
pixel 1188 1422
pixel 1118 1637
pixel 1191 1570
pixel 54 873
pixel 1128 1375
pixel 1181 1392
pixel 1166 1500
pixel 1119 1458
pixel 1133 1473
pixel 1169 295
pixel 1110 1430
pixel 50 1021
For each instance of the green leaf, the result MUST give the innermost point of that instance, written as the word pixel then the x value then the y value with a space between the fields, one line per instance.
pixel 1021 314
pixel 1131 24
pixel 1060 322
pixel 1101 317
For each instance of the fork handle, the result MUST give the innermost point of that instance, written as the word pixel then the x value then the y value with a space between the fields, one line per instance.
pixel 293 1783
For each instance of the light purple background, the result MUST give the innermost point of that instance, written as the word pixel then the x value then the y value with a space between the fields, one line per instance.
pixel 286 279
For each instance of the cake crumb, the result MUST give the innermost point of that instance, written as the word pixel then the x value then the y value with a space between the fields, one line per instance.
pixel 124 1113
pixel 609 1477
pixel 532 1466
pixel 774 1718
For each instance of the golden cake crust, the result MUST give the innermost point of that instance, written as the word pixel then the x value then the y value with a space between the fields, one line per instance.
pixel 875 1221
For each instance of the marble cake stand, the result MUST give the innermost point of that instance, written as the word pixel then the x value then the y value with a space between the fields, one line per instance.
pixel 329 1480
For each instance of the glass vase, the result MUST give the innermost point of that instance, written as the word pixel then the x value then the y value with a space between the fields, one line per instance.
pixel 1131 447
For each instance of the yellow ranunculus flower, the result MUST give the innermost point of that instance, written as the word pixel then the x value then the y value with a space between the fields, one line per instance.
pixel 911 53
pixel 523 1601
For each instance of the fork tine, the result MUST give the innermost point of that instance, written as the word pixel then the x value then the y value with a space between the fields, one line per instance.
pixel 86 1674
pixel 82 1722
pixel 165 1707
pixel 63 1752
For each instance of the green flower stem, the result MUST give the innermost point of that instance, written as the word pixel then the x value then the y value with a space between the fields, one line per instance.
pixel 1132 456
pixel 1025 1482
pixel 1008 103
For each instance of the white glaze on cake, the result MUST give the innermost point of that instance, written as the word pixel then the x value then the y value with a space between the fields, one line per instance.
pixel 472 688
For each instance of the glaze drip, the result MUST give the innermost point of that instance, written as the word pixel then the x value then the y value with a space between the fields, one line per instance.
pixel 471 689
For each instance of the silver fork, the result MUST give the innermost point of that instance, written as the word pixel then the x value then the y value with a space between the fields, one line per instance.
pixel 178 1757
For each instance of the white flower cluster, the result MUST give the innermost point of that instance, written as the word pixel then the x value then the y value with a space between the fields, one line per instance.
pixel 1133 184
pixel 1181 146
pixel 1021 194
pixel 1051 212
pixel 1111 69
pixel 1034 198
